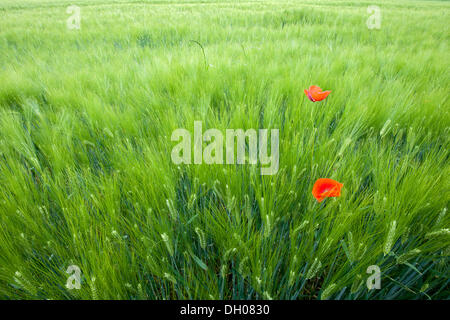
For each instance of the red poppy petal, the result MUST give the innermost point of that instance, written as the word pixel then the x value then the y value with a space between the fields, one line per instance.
pixel 325 187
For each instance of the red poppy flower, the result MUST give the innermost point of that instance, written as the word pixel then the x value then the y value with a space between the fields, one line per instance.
pixel 324 188
pixel 315 93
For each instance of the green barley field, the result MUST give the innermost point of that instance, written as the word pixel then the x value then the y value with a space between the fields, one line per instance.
pixel 88 187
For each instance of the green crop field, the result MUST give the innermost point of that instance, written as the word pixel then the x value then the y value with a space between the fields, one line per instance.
pixel 90 195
